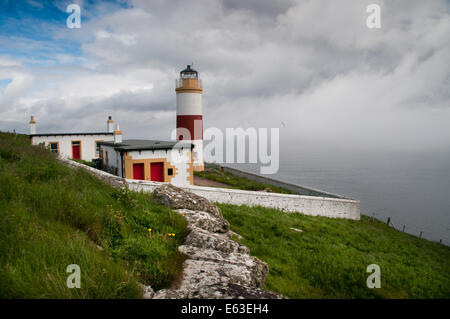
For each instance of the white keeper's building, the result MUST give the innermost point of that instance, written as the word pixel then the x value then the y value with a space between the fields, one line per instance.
pixel 77 145
pixel 151 160
pixel 157 161
pixel 160 161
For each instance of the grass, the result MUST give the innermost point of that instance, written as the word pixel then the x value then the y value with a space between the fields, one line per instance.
pixel 52 216
pixel 237 182
pixel 329 258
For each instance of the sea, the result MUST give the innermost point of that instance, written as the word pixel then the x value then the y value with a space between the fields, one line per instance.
pixel 410 187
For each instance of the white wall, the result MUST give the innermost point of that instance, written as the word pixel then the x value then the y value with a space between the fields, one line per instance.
pixel 114 159
pixel 198 152
pixel 65 144
pixel 189 103
pixel 176 157
pixel 308 205
pixel 173 156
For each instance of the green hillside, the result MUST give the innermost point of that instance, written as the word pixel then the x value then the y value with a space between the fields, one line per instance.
pixel 52 216
pixel 329 258
pixel 236 182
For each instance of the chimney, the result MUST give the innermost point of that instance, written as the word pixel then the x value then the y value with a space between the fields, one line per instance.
pixel 117 135
pixel 110 124
pixel 32 125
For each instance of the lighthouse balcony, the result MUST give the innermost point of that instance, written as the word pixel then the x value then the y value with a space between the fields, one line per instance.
pixel 188 83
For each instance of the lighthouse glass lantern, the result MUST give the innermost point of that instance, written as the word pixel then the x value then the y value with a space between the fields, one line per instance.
pixel 189 73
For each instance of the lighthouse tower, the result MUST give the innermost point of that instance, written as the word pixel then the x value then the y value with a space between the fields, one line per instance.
pixel 189 113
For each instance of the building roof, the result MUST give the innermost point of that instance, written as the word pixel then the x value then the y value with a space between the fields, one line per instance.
pixel 138 145
pixel 79 133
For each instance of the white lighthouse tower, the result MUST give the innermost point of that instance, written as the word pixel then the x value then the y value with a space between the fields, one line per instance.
pixel 189 113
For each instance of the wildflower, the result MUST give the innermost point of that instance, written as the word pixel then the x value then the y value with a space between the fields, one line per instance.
pixel 149 229
pixel 173 235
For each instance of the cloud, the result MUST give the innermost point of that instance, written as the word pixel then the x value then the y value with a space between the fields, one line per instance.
pixel 313 65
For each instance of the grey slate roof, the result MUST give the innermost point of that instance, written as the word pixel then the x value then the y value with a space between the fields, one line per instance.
pixel 138 145
pixel 79 133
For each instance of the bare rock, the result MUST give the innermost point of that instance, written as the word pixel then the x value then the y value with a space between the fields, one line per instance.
pixel 256 268
pixel 178 198
pixel 205 220
pixel 220 290
pixel 203 239
pixel 147 291
pixel 199 273
pixel 171 294
pixel 232 234
pixel 217 266
pixel 235 291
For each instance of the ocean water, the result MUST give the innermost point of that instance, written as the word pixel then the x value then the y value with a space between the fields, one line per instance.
pixel 413 188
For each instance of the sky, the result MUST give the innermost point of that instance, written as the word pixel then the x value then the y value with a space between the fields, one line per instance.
pixel 313 69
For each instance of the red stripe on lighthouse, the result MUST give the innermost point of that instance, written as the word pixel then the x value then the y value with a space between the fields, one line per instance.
pixel 192 123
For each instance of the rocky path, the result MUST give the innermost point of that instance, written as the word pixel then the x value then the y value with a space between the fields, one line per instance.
pixel 217 266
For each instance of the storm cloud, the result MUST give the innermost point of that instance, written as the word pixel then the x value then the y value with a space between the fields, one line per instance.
pixel 311 68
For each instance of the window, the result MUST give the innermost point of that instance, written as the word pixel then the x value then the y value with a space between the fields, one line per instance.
pixel 54 147
pixel 97 148
pixel 170 171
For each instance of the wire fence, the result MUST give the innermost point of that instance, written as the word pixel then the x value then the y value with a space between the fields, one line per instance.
pixel 413 230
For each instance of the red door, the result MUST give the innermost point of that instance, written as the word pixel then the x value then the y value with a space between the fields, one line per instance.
pixel 157 172
pixel 138 171
pixel 76 151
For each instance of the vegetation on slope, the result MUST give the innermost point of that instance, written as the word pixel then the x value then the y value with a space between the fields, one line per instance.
pixel 329 258
pixel 237 182
pixel 52 216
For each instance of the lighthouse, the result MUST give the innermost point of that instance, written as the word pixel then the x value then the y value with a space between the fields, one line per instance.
pixel 189 113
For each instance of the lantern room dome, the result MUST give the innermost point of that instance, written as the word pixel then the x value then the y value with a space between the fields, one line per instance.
pixel 189 73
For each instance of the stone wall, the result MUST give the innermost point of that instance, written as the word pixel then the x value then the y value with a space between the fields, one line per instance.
pixel 111 179
pixel 308 205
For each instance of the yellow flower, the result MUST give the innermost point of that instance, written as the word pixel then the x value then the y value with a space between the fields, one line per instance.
pixel 173 234
pixel 149 229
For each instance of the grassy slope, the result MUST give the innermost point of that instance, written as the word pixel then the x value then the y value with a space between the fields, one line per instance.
pixel 52 216
pixel 329 258
pixel 237 182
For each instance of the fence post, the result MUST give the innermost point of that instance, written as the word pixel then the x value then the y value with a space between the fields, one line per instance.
pixel 403 230
pixel 420 235
pixel 388 221
pixel 440 242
